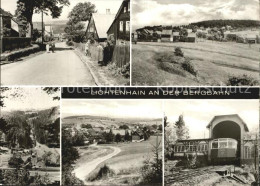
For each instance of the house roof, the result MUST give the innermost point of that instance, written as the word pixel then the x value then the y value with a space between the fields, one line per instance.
pixel 102 23
pixel 176 33
pixel 118 13
pixel 231 115
pixel 191 34
pixel 167 32
pixel 5 13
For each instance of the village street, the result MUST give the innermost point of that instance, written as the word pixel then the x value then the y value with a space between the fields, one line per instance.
pixel 62 68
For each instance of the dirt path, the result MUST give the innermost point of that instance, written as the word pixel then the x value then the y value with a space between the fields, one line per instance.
pixel 85 169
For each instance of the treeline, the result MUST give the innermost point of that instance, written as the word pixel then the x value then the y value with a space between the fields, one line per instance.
pixel 17 131
pixel 46 131
pixel 229 22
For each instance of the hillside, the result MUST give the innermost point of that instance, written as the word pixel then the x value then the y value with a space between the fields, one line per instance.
pixel 232 23
pixel 58 26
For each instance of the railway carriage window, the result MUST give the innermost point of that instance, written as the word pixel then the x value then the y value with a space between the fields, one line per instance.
pixel 222 145
pixel 214 145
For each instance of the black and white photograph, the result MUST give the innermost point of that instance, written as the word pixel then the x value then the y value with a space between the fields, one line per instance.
pixel 112 142
pixel 211 142
pixel 65 42
pixel 30 136
pixel 195 42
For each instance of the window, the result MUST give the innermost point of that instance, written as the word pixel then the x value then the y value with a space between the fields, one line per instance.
pixel 128 6
pixel 127 27
pixel 214 145
pixel 121 26
pixel 125 9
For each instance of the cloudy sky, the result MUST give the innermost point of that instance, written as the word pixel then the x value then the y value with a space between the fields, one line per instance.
pixel 113 108
pixel 101 6
pixel 27 99
pixel 198 113
pixel 178 12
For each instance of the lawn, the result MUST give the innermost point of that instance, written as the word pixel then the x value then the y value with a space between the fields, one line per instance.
pixel 214 61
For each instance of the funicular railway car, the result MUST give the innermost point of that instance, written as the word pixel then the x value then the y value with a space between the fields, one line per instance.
pixel 217 151
pixel 223 151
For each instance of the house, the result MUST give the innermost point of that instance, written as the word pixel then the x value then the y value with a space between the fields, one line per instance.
pixel 191 38
pixel 120 27
pixel 10 24
pixel 137 136
pixel 167 35
pixel 98 26
pixel 176 36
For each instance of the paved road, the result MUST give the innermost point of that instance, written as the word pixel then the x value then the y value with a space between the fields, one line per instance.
pixel 85 169
pixel 62 68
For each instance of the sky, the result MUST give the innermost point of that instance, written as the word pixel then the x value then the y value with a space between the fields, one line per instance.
pixel 101 6
pixel 113 108
pixel 179 12
pixel 28 99
pixel 198 113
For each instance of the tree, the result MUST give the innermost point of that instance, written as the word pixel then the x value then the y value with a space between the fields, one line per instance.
pixel 87 126
pixel 127 136
pixel 109 137
pixel 124 127
pixel 118 138
pixel 26 9
pixel 183 34
pixel 81 12
pixel 182 131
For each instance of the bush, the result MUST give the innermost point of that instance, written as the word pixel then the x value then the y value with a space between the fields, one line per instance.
pixel 188 66
pixel 103 172
pixel 126 70
pixel 178 52
pixel 243 80
pixel 15 162
pixel 70 43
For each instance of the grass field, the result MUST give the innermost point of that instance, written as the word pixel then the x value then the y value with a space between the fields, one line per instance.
pixel 127 163
pixel 215 62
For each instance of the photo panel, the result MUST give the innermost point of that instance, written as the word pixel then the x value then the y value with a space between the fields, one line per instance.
pixel 111 142
pixel 30 136
pixel 65 43
pixel 195 43
pixel 210 142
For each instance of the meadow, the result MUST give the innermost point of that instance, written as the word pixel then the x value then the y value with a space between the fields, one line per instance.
pixel 214 62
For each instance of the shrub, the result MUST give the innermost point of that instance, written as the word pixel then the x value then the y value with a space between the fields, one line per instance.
pixel 188 66
pixel 126 70
pixel 69 43
pixel 243 80
pixel 103 172
pixel 15 162
pixel 178 52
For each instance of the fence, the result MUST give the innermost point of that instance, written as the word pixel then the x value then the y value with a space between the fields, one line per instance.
pixel 12 43
pixel 121 54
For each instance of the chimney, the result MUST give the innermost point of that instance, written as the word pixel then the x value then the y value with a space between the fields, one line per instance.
pixel 108 11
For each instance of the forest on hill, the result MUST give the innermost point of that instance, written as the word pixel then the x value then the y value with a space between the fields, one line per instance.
pixel 229 22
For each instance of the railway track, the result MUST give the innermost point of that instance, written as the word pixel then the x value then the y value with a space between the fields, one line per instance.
pixel 185 175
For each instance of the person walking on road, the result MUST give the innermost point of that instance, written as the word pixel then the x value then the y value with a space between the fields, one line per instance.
pixel 52 46
pixel 100 56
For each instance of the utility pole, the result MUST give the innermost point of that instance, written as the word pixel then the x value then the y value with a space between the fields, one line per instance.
pixel 1 30
pixel 42 28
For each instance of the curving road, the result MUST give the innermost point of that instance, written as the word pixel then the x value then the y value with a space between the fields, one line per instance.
pixel 85 169
pixel 62 68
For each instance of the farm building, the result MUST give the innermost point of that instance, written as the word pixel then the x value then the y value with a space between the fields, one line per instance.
pixel 98 26
pixel 167 35
pixel 120 27
pixel 191 38
pixel 228 141
pixel 137 136
pixel 176 36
